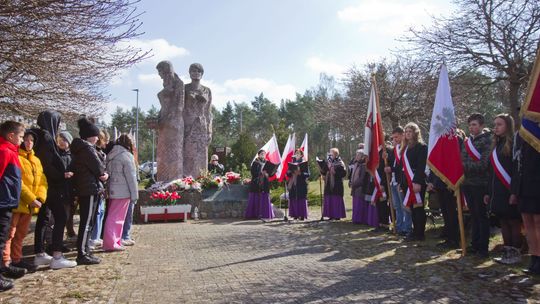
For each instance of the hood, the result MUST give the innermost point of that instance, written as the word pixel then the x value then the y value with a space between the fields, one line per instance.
pixel 485 134
pixel 6 144
pixel 78 144
pixel 50 121
pixel 116 150
pixel 24 153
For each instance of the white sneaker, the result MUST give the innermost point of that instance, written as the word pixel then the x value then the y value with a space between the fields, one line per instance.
pixel 128 242
pixel 42 259
pixel 62 262
pixel 93 244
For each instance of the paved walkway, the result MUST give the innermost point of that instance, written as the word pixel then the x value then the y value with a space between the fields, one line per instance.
pixel 251 262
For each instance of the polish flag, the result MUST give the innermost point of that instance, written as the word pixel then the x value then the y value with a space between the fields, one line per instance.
pixel 304 147
pixel 374 139
pixel 286 158
pixel 444 157
pixel 272 152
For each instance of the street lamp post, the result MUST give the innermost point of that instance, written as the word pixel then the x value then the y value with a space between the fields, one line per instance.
pixel 137 121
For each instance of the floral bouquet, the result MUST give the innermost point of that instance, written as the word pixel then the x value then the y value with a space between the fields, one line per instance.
pixel 208 181
pixel 164 198
pixel 232 178
pixel 186 184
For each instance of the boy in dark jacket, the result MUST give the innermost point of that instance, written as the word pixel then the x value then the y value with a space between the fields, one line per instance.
pixel 11 137
pixel 475 156
pixel 89 173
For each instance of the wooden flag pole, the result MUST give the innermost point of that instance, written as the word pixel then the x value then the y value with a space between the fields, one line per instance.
pixel 460 220
pixel 390 198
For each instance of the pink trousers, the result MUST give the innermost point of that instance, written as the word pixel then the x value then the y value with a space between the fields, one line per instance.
pixel 116 215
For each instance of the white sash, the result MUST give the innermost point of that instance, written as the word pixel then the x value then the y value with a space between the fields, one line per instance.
pixel 503 176
pixel 409 199
pixel 471 150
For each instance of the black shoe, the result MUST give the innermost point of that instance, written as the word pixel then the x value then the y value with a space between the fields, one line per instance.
pixel 13 272
pixel 5 284
pixel 471 250
pixel 28 266
pixel 65 249
pixel 87 260
pixel 447 245
pixel 301 218
pixel 482 254
pixel 535 260
pixel 95 258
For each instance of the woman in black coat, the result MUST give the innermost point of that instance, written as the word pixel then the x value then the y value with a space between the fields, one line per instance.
pixel 526 190
pixel 413 181
pixel 298 188
pixel 334 206
pixel 498 197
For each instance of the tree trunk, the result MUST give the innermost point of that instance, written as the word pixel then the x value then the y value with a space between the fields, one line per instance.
pixel 513 99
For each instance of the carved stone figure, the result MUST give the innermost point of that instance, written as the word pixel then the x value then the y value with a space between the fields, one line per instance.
pixel 197 123
pixel 170 145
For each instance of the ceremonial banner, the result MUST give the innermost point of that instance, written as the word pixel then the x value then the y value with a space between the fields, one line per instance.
pixel 444 157
pixel 304 147
pixel 530 111
pixel 374 139
pixel 286 158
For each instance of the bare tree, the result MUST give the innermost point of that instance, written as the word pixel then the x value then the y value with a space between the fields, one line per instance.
pixel 406 90
pixel 500 37
pixel 60 53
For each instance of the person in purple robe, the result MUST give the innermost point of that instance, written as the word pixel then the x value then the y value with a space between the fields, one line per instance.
pixel 259 204
pixel 334 206
pixel 297 186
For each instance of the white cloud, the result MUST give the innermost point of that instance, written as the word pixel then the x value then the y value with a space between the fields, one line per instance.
pixel 120 79
pixel 255 86
pixel 150 80
pixel 319 65
pixel 389 17
pixel 161 49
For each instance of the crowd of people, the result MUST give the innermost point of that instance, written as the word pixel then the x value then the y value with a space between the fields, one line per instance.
pixel 45 171
pixel 500 188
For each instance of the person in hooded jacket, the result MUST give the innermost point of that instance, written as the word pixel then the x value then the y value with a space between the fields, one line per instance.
pixel 46 150
pixel 122 188
pixel 89 173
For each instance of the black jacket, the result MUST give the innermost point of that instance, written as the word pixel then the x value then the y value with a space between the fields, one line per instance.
pixel 46 149
pixel 87 168
pixel 499 195
pixel 259 183
pixel 417 156
pixel 526 179
pixel 340 173
pixel 300 188
pixel 476 172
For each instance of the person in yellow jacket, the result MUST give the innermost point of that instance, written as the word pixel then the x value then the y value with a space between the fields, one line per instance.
pixel 33 195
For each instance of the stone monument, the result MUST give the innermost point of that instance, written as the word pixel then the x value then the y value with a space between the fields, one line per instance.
pixel 170 146
pixel 197 123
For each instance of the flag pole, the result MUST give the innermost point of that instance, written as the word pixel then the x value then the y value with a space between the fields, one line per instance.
pixel 390 198
pixel 285 218
pixel 460 220
pixel 320 192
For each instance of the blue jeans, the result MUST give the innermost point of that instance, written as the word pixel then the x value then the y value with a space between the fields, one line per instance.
pixel 100 213
pixel 403 218
pixel 126 231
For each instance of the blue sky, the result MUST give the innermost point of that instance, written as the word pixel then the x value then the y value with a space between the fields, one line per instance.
pixel 278 47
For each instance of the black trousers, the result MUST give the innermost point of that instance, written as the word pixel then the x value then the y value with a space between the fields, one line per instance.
pixel 87 206
pixel 448 205
pixel 56 202
pixel 44 228
pixel 479 217
pixel 383 212
pixel 418 216
pixel 5 223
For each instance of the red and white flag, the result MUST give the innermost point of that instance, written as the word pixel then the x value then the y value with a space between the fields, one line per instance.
pixel 374 139
pixel 272 151
pixel 286 158
pixel 304 147
pixel 444 156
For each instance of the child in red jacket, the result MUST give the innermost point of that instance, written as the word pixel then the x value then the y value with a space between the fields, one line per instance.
pixel 11 137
